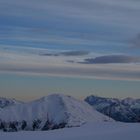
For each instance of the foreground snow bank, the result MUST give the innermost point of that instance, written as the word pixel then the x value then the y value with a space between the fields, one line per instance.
pixel 96 131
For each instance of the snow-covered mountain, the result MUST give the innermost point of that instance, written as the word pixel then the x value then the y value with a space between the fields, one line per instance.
pixel 51 112
pixel 5 102
pixel 125 110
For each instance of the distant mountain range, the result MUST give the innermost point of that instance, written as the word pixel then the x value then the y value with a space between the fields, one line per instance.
pixel 59 111
pixel 125 110
pixel 51 112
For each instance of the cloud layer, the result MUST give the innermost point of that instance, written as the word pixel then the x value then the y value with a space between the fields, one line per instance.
pixel 72 30
pixel 30 62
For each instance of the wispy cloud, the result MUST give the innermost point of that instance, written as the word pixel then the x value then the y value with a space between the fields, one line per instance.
pixel 136 41
pixel 67 53
pixel 111 59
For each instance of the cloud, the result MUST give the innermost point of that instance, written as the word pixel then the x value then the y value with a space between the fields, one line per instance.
pixel 67 53
pixel 111 59
pixel 136 41
pixel 112 72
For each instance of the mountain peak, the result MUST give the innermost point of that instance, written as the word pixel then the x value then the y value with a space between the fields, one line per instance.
pixel 6 102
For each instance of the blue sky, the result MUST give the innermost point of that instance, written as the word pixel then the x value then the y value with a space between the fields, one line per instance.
pixel 92 41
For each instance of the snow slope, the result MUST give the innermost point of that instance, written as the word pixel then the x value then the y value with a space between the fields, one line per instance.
pixel 52 110
pixel 92 131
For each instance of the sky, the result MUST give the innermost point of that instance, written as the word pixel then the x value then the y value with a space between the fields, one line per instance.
pixel 75 47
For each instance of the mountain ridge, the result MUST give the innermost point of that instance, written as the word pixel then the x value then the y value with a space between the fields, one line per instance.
pixel 125 110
